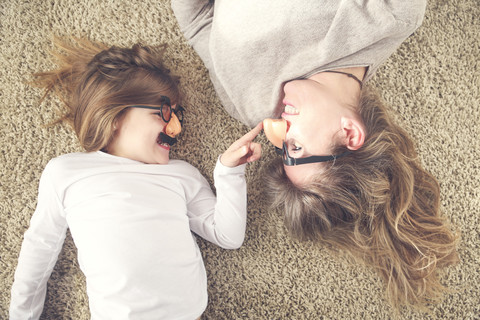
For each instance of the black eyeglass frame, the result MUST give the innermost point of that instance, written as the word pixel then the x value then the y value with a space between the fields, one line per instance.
pixel 289 161
pixel 165 102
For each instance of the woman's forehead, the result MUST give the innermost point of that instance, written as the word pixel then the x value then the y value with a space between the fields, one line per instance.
pixel 303 174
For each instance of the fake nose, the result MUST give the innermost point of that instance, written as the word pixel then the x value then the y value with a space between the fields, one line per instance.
pixel 173 126
pixel 275 130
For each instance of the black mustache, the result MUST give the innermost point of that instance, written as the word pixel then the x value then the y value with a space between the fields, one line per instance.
pixel 167 139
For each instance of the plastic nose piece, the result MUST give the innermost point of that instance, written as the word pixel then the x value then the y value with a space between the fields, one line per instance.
pixel 173 126
pixel 275 130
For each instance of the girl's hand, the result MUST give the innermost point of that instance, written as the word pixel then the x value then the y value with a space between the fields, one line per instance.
pixel 243 150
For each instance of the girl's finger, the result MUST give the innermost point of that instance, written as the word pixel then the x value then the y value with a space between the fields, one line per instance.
pixel 231 158
pixel 249 136
pixel 256 152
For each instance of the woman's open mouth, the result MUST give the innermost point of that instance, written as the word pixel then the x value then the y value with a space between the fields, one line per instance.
pixel 288 109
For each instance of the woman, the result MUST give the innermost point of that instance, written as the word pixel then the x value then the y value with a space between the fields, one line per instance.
pixel 349 176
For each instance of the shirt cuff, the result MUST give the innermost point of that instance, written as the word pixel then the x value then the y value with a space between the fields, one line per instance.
pixel 221 169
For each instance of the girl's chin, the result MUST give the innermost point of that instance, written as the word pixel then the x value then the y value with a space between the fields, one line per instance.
pixel 162 160
pixel 164 157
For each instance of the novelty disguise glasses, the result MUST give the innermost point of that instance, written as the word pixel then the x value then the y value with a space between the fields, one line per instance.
pixel 276 130
pixel 167 113
pixel 173 118
pixel 165 109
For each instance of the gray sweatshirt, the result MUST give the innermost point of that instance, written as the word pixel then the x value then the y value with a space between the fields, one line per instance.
pixel 251 48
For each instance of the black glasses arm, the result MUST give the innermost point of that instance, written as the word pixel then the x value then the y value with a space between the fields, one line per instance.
pixel 289 161
pixel 313 159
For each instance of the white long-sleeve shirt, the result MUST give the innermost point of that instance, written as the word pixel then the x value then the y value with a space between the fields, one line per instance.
pixel 131 223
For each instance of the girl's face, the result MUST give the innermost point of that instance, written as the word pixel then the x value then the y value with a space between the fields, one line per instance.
pixel 137 137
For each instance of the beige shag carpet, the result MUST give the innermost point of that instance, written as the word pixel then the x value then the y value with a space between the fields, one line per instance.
pixel 431 83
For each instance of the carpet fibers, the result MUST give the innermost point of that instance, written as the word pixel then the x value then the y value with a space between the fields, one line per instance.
pixel 431 84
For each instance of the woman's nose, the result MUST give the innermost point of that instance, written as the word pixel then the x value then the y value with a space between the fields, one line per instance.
pixel 289 88
pixel 173 127
pixel 275 130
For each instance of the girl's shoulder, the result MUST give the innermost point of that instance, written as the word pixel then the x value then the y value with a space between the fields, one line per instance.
pixel 65 159
pixel 88 163
pixel 83 159
pixel 183 167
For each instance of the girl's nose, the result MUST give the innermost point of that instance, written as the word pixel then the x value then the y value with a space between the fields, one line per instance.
pixel 173 126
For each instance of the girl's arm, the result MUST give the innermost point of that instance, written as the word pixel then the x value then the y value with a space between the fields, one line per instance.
pixel 222 219
pixel 40 248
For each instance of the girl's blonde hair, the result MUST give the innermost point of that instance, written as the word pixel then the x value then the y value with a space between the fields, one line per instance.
pixel 377 204
pixel 97 82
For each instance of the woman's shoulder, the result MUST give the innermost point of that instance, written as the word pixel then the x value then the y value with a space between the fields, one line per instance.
pixel 408 12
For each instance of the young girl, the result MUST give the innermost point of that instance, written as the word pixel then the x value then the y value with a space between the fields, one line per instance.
pixel 129 208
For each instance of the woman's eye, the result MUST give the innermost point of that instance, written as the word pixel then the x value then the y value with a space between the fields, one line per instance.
pixel 295 148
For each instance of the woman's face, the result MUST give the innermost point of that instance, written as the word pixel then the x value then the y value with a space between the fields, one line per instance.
pixel 315 114
pixel 137 136
pixel 313 118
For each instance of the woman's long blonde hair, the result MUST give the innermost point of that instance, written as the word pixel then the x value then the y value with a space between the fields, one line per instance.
pixel 377 204
pixel 97 82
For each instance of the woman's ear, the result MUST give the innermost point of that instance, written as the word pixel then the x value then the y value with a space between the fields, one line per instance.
pixel 354 133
